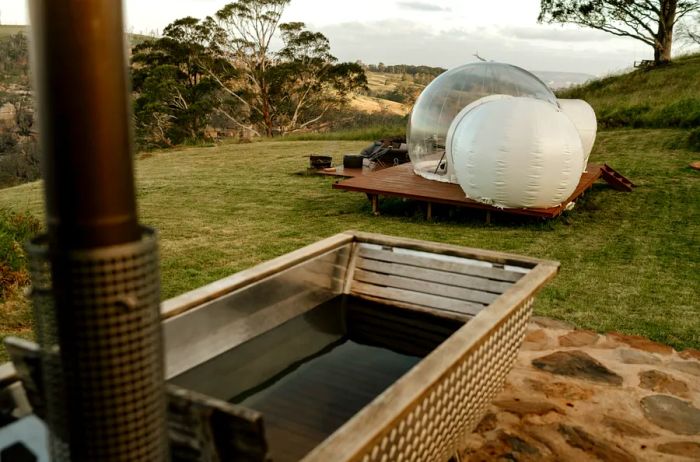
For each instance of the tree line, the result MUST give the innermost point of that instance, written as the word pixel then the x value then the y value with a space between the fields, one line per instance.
pixel 405 69
pixel 222 70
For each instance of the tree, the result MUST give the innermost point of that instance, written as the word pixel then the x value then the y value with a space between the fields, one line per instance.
pixel 307 82
pixel 175 94
pixel 248 28
pixel 649 21
pixel 283 91
pixel 690 32
pixel 14 59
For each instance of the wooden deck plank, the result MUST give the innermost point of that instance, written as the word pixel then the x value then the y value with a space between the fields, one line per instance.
pixel 417 298
pixel 497 274
pixel 432 275
pixel 400 181
pixel 342 172
pixel 431 288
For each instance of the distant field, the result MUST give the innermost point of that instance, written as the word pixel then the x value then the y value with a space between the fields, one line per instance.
pixel 380 83
pixel 6 30
pixel 370 104
pixel 629 261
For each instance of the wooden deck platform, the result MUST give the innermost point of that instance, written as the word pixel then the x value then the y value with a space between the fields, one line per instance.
pixel 342 172
pixel 400 181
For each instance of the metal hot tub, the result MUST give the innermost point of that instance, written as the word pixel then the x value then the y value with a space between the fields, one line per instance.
pixel 461 312
pixel 360 347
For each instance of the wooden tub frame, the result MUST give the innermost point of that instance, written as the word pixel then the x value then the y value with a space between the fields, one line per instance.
pixel 423 416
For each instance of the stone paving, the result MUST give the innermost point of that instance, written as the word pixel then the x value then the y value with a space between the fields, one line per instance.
pixel 574 395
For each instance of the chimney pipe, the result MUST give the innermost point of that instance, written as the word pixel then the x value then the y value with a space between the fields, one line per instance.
pixel 95 275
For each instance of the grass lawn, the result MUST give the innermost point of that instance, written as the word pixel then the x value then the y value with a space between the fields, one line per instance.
pixel 629 261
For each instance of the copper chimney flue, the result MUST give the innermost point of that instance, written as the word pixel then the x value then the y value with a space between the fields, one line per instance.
pixel 95 274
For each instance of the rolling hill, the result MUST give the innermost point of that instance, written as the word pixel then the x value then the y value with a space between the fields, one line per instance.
pixel 664 97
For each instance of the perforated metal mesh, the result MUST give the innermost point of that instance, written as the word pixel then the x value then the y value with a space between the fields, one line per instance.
pixel 105 382
pixel 432 429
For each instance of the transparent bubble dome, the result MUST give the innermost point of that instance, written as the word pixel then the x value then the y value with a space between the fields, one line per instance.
pixel 451 92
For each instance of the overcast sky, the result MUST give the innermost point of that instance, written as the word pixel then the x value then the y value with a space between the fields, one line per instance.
pixel 442 33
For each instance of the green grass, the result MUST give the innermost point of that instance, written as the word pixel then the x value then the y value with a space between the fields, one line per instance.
pixel 629 260
pixel 664 97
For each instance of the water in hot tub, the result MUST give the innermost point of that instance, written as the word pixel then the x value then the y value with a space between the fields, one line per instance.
pixel 312 374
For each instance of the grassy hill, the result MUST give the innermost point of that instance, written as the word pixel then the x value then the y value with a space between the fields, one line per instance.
pixel 393 93
pixel 667 96
pixel 629 261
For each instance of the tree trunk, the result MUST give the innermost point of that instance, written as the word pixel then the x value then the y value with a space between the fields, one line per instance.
pixel 664 34
pixel 267 118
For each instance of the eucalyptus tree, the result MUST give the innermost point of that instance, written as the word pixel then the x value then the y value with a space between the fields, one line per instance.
pixel 174 92
pixel 284 90
pixel 649 21
pixel 308 80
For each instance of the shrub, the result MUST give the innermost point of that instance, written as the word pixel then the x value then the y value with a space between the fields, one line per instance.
pixel 15 229
pixel 694 140
pixel 630 116
pixel 683 113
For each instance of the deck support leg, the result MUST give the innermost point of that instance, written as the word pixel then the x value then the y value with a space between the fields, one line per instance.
pixel 488 217
pixel 374 199
pixel 429 211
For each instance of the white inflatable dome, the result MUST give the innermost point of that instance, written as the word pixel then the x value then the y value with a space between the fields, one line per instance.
pixel 450 93
pixel 583 116
pixel 516 152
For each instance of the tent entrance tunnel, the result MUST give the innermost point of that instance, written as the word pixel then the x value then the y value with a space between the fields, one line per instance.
pixel 429 331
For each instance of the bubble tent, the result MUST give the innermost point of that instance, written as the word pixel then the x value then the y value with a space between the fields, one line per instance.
pixel 494 137
pixel 448 95
pixel 514 152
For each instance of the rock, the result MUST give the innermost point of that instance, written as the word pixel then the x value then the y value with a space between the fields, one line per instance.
pixel 8 113
pixel 629 356
pixel 551 323
pixel 488 423
pixel 625 427
pixel 672 414
pixel 641 343
pixel 536 340
pixel 688 449
pixel 604 450
pixel 662 383
pixel 518 444
pixel 523 408
pixel 578 338
pixel 506 447
pixel 577 364
pixel 509 447
pixel 537 335
pixel 690 353
pixel 689 367
pixel 563 390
